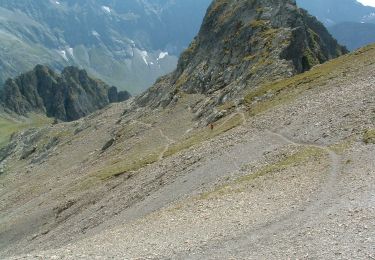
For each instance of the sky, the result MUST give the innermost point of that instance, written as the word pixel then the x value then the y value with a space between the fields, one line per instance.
pixel 367 2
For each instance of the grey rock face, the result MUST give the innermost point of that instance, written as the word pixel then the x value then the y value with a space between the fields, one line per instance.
pixel 108 144
pixel 69 96
pixel 241 45
pixel 117 96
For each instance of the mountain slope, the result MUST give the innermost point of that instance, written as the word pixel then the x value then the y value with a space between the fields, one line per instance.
pixel 302 165
pixel 126 43
pixel 286 172
pixel 67 97
pixel 241 45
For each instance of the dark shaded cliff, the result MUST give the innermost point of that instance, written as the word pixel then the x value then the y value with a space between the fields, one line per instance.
pixel 67 96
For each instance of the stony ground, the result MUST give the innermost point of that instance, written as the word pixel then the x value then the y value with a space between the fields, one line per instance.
pixel 296 181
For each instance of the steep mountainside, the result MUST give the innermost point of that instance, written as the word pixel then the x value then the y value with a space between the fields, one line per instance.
pixel 286 170
pixel 125 43
pixel 289 176
pixel 350 22
pixel 67 96
pixel 241 45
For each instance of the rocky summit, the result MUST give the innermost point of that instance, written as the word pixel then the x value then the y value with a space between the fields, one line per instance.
pixel 67 96
pixel 241 45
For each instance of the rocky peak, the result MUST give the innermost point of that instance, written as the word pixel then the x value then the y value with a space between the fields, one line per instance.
pixel 242 44
pixel 67 96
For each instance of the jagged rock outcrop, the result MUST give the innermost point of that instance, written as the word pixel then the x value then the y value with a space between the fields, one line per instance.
pixel 67 96
pixel 241 45
pixel 117 96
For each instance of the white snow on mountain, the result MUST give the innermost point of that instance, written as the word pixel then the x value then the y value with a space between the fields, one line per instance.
pixel 106 9
pixel 71 52
pixel 144 56
pixel 368 17
pixel 63 54
pixel 95 33
pixel 162 55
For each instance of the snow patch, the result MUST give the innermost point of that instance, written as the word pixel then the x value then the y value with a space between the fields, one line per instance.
pixel 162 55
pixel 71 52
pixel 368 17
pixel 131 43
pixel 63 54
pixel 106 9
pixel 95 33
pixel 144 56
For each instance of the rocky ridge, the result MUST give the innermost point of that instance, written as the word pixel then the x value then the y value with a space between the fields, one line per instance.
pixel 241 45
pixel 67 96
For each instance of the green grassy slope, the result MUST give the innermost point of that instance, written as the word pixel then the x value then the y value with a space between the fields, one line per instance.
pixel 9 126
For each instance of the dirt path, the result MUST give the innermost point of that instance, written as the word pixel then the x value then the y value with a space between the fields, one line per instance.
pixel 328 188
pixel 242 114
pixel 254 237
pixel 228 163
pixel 318 203
pixel 169 142
pixel 141 123
pixel 243 117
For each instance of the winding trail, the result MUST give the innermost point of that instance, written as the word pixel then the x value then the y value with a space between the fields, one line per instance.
pixel 241 114
pixel 223 166
pixel 141 123
pixel 334 157
pixel 169 142
pixel 252 237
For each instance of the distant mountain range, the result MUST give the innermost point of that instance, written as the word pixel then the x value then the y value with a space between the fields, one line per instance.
pixel 332 12
pixel 349 21
pixel 125 43
pixel 354 35
pixel 130 44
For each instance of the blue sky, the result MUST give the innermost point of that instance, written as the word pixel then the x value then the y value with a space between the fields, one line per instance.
pixel 367 2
